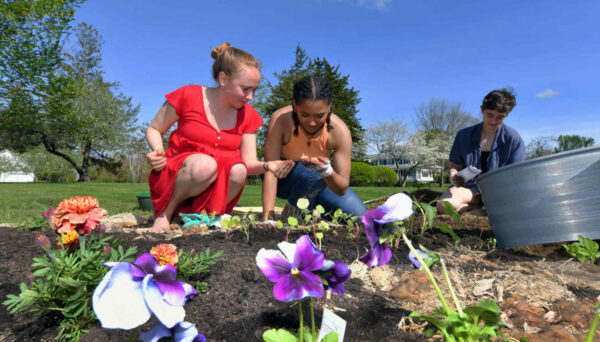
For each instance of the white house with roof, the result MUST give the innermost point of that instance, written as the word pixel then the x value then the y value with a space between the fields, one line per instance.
pixel 13 169
pixel 417 174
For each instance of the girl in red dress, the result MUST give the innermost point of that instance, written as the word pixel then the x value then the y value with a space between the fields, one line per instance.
pixel 213 148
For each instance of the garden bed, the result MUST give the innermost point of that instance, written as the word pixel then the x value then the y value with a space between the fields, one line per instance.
pixel 543 293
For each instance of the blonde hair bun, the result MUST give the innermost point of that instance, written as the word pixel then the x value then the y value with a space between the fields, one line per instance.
pixel 219 50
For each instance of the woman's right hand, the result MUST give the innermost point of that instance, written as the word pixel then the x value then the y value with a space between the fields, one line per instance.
pixel 456 180
pixel 157 159
pixel 280 168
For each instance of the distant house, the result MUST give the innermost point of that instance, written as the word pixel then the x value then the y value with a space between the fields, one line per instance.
pixel 417 174
pixel 12 169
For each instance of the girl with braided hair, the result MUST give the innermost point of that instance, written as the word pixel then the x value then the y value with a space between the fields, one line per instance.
pixel 213 148
pixel 319 143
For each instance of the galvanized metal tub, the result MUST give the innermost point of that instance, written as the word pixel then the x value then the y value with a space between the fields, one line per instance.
pixel 553 198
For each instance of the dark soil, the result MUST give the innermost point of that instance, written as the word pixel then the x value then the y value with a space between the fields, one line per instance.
pixel 239 304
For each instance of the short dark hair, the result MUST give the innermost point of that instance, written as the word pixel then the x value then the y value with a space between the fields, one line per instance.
pixel 502 100
pixel 312 87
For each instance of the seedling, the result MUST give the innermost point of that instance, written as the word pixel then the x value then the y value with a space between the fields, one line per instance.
pixel 586 250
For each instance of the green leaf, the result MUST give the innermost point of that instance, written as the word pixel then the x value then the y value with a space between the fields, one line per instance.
pixel 448 230
pixel 320 209
pixel 306 336
pixel 279 335
pixel 331 337
pixel 302 203
pixel 226 223
pixel 70 282
pixel 449 209
pixel 279 224
pixel 324 226
pixel 430 213
pixel 292 221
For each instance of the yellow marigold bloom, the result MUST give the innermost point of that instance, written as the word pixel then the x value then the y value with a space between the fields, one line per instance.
pixel 70 240
pixel 165 254
pixel 78 213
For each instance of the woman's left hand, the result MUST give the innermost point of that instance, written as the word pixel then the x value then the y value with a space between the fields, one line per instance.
pixel 280 168
pixel 320 164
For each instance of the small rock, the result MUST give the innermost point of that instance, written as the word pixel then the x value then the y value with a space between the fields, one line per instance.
pixel 382 276
pixel 120 221
pixel 412 287
pixel 552 317
pixel 250 275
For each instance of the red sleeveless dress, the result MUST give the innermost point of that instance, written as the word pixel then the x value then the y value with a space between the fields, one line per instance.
pixel 195 134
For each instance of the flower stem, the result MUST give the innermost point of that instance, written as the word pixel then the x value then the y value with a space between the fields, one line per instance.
pixel 301 321
pixel 133 334
pixel 312 321
pixel 429 274
pixel 454 298
pixel 593 327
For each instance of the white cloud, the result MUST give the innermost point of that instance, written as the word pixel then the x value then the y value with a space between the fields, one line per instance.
pixel 546 94
pixel 379 5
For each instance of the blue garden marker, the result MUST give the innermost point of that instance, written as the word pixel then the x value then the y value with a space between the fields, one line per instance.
pixel 196 219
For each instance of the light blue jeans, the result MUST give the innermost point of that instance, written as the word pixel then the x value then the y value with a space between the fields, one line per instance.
pixel 305 183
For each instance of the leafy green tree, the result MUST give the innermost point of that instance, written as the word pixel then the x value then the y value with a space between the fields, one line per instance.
pixel 79 112
pixel 571 142
pixel 31 33
pixel 49 167
pixel 345 97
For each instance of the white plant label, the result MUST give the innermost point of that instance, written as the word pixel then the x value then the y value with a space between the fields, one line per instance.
pixel 332 322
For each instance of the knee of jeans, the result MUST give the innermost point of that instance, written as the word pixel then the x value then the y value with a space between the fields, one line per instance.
pixel 356 208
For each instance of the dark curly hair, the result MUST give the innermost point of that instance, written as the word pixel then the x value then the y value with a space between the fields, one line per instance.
pixel 312 88
pixel 502 100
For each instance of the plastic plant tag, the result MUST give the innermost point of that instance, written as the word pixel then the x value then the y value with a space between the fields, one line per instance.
pixel 332 323
pixel 468 173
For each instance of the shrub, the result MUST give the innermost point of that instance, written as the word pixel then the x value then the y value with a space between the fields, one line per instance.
pixel 362 174
pixel 384 176
pixel 415 184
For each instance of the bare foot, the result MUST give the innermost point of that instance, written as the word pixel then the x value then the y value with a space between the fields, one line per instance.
pixel 161 224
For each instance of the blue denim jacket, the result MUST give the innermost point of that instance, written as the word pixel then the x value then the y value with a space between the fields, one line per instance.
pixel 508 148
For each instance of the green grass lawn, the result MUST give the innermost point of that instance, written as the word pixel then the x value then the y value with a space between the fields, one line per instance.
pixel 21 201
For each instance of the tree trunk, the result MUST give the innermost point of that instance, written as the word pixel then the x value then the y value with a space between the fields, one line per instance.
pixel 442 174
pixel 52 149
pixel 85 164
pixel 407 173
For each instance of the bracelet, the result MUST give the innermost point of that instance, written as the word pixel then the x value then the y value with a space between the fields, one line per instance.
pixel 265 166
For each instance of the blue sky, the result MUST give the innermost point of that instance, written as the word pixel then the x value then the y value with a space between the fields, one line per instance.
pixel 398 54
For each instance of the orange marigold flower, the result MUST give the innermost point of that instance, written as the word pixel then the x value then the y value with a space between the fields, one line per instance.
pixel 70 240
pixel 78 213
pixel 165 254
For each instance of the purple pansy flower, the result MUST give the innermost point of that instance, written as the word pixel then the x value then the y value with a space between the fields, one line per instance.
pixel 397 208
pixel 337 273
pixel 291 269
pixel 129 293
pixel 181 332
